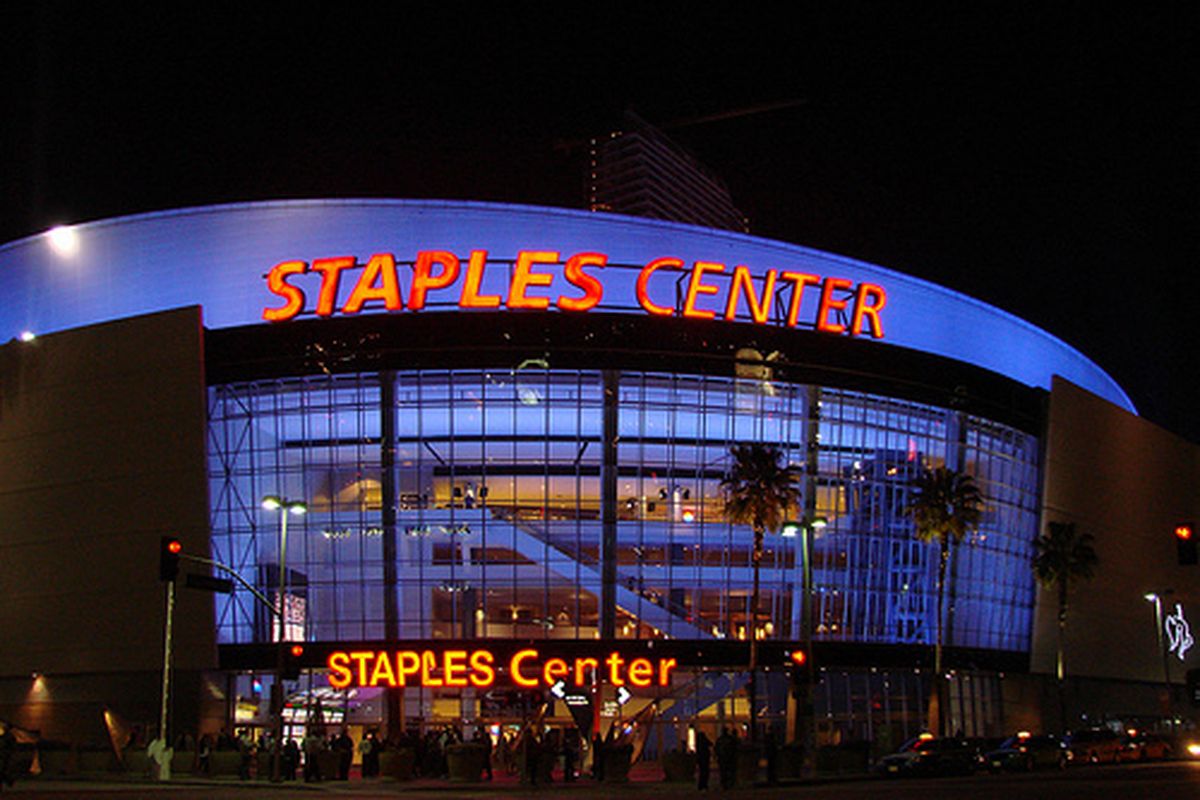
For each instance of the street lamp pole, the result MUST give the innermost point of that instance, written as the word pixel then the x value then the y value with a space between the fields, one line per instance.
pixel 285 507
pixel 1156 598
pixel 806 529
pixel 810 525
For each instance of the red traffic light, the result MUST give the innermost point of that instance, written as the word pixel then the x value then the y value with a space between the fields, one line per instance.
pixel 798 657
pixel 290 662
pixel 1186 544
pixel 169 551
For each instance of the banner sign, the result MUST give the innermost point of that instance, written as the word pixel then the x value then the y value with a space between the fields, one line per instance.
pixel 539 279
pixel 527 668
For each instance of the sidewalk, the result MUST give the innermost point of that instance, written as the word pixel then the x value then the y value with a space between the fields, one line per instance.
pixel 645 781
pixel 643 776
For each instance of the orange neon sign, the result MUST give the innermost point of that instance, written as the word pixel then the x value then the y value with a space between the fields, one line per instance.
pixel 478 668
pixel 536 281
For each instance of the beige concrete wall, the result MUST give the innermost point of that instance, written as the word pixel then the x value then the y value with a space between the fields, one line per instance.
pixel 1128 483
pixel 102 452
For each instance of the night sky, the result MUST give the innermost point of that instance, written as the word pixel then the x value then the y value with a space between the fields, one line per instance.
pixel 1042 157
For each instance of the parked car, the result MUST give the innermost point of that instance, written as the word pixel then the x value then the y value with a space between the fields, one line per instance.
pixel 1026 753
pixel 1188 746
pixel 1137 746
pixel 1094 746
pixel 925 755
pixel 983 745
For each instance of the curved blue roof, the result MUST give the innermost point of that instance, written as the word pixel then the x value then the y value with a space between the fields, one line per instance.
pixel 218 256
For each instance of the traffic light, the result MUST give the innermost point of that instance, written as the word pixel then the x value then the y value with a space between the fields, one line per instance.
pixel 291 661
pixel 801 673
pixel 1185 542
pixel 168 558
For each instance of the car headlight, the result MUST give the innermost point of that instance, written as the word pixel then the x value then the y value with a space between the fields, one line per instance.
pixel 1193 749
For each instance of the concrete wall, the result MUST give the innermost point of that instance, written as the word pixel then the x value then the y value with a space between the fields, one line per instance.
pixel 1128 483
pixel 102 452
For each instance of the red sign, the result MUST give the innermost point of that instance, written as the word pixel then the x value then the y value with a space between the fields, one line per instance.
pixel 527 668
pixel 536 282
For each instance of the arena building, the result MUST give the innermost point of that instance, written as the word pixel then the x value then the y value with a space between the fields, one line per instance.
pixel 509 426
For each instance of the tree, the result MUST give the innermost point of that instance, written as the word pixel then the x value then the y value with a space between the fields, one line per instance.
pixel 945 505
pixel 759 491
pixel 1063 557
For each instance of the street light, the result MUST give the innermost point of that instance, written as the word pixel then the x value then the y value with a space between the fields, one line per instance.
pixel 288 507
pixel 792 529
pixel 804 531
pixel 806 610
pixel 1156 598
pixel 275 503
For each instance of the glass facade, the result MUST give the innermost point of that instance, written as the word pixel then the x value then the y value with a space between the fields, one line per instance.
pixel 497 483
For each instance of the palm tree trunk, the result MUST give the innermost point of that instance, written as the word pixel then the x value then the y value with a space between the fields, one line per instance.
pixel 1061 670
pixel 937 711
pixel 756 557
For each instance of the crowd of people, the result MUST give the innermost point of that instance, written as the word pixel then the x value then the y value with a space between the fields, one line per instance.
pixel 532 754
pixel 255 755
pixel 726 751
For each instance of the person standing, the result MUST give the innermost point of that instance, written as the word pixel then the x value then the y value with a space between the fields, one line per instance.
pixel 484 740
pixel 531 751
pixel 291 757
pixel 703 760
pixel 8 743
pixel 313 745
pixel 727 748
pixel 368 748
pixel 597 758
pixel 343 745
pixel 245 746
pixel 265 754
pixel 204 754
pixel 570 755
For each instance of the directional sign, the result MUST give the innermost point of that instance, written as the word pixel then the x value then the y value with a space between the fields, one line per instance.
pixel 559 690
pixel 580 706
pixel 209 584
pixel 623 695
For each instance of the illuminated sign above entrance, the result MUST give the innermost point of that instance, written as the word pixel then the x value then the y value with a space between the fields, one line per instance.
pixel 541 279
pixel 526 668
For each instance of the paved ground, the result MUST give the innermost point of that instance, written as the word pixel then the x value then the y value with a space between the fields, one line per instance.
pixel 1153 781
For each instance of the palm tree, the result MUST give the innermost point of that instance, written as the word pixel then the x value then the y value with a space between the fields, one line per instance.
pixel 1062 557
pixel 759 491
pixel 945 505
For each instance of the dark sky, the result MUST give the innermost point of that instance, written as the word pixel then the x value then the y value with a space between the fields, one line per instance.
pixel 1040 156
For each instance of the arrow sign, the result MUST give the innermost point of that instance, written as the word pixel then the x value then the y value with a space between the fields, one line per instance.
pixel 623 695
pixel 559 690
